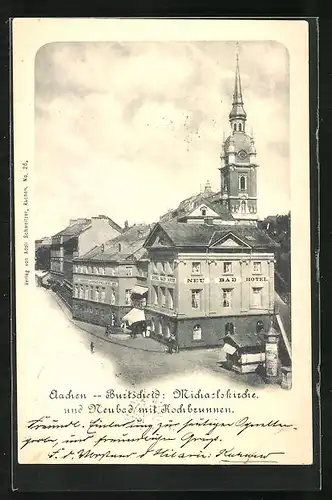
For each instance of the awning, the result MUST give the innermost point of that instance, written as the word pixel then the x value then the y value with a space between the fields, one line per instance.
pixel 139 290
pixel 229 349
pixel 134 316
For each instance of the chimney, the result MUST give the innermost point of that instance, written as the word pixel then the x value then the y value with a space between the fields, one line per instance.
pixel 207 187
pixel 126 225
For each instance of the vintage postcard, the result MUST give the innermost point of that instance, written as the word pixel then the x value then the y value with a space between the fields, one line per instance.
pixel 162 242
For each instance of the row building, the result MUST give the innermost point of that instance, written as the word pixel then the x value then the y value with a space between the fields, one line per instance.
pixel 80 236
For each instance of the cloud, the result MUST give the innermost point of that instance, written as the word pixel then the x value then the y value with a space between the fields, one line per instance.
pixel 130 129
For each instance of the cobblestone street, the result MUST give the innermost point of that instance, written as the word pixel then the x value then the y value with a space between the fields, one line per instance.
pixel 143 360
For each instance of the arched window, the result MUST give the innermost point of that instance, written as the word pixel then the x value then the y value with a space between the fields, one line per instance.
pixel 259 326
pixel 234 127
pixel 229 329
pixel 197 332
pixel 243 206
pixel 203 211
pixel 243 183
pixel 240 127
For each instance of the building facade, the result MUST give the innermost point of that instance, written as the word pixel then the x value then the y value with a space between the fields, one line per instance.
pixel 206 282
pixel 111 279
pixel 80 236
pixel 211 270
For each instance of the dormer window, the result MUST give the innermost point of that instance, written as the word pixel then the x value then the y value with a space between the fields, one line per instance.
pixel 119 247
pixel 203 211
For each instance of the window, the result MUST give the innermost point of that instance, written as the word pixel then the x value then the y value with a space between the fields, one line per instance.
pixel 257 297
pixel 97 294
pixel 197 332
pixel 128 297
pixel 227 297
pixel 129 271
pixel 234 127
pixel 113 271
pixel 240 127
pixel 76 291
pixel 170 298
pixel 162 296
pixel 256 267
pixel 119 247
pixel 153 326
pixel 154 297
pixel 168 331
pixel 259 326
pixel 101 270
pixel 91 292
pixel 159 328
pixel 85 270
pixel 112 296
pixel 196 268
pixel 227 267
pixel 81 292
pixel 89 269
pixel 86 293
pixel 229 329
pixel 171 267
pixel 243 206
pixel 243 182
pixel 196 299
pixel 95 270
pixel 162 267
pixel 103 295
pixel 203 211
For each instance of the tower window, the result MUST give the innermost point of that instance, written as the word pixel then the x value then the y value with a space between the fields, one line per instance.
pixel 240 127
pixel 234 127
pixel 243 183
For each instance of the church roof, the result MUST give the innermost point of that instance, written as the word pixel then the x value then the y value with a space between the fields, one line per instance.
pixel 241 141
pixel 210 199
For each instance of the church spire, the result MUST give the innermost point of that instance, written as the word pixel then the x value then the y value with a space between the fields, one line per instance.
pixel 237 116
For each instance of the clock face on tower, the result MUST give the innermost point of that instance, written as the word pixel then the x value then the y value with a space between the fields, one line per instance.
pixel 242 154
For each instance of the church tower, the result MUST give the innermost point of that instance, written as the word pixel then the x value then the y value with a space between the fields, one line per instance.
pixel 238 162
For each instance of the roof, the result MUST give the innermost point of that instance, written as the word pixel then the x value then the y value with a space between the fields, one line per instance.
pixel 80 225
pixel 203 235
pixel 75 229
pixel 245 339
pixel 189 204
pixel 241 141
pixel 128 245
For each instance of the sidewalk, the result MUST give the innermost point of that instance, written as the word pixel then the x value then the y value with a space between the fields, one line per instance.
pixel 140 343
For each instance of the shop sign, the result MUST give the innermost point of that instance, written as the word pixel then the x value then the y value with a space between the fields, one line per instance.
pixel 257 279
pixel 196 281
pixel 164 279
pixel 228 279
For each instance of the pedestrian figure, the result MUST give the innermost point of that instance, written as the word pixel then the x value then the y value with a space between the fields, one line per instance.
pixel 92 347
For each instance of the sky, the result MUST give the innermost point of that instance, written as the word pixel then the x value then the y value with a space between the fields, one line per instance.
pixel 129 130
